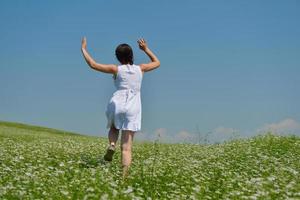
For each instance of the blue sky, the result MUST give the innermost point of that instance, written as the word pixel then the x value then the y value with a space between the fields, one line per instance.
pixel 231 65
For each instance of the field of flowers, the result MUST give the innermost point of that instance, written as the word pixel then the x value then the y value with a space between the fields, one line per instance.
pixel 41 163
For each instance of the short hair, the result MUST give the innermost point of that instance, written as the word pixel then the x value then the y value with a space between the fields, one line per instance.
pixel 124 54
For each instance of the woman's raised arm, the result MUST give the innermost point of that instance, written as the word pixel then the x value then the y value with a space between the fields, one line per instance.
pixel 106 68
pixel 155 63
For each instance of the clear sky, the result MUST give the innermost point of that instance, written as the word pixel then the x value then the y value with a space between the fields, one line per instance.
pixel 226 66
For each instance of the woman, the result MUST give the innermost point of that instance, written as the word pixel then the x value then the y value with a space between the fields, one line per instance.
pixel 124 108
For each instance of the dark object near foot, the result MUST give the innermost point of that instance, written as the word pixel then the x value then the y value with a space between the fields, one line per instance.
pixel 109 153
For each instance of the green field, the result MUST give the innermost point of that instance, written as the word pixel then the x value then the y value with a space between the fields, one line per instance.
pixel 42 163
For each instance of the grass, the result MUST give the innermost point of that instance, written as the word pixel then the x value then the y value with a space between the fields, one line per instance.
pixel 43 163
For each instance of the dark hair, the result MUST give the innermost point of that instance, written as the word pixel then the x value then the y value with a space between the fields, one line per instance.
pixel 124 54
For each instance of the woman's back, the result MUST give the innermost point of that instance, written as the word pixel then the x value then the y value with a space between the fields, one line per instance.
pixel 124 109
pixel 129 77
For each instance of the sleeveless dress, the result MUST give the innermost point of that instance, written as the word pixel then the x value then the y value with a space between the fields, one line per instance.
pixel 124 109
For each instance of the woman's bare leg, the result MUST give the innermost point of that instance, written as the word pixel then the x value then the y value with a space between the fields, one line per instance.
pixel 113 135
pixel 126 145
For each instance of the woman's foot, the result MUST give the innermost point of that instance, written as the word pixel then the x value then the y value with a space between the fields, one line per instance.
pixel 109 153
pixel 125 172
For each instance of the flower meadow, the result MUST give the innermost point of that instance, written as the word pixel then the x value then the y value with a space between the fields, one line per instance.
pixel 43 163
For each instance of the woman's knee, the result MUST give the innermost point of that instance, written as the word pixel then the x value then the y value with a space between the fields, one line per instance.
pixel 113 128
pixel 125 147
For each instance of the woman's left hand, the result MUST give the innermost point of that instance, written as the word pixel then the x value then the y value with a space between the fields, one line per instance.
pixel 83 43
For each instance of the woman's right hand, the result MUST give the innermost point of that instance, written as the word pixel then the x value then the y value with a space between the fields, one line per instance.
pixel 142 44
pixel 154 60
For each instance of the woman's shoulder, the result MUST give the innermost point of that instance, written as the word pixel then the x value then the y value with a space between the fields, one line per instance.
pixel 134 67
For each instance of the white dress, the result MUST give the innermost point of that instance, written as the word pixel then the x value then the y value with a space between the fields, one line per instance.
pixel 124 109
